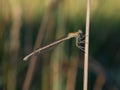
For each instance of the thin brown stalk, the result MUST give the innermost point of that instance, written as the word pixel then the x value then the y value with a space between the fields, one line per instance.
pixel 33 59
pixel 58 55
pixel 71 76
pixel 38 43
pixel 14 45
pixel 85 79
pixel 98 69
pixel 45 82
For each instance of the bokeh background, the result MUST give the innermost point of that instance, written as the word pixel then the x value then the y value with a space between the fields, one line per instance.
pixel 26 25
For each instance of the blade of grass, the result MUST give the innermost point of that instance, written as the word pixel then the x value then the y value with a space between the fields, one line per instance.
pixel 72 71
pixel 38 42
pixel 14 44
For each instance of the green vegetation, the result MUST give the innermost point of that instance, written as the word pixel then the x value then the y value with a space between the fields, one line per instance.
pixel 22 21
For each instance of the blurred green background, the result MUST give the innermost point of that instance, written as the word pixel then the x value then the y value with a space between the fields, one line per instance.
pixel 26 25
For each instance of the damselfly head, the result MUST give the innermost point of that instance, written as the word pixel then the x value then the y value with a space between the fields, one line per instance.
pixel 80 31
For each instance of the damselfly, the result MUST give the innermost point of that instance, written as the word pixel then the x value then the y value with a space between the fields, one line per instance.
pixel 79 40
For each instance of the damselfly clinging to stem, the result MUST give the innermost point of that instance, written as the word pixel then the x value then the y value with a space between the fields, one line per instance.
pixel 79 40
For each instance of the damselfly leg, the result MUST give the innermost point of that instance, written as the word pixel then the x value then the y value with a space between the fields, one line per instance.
pixel 80 41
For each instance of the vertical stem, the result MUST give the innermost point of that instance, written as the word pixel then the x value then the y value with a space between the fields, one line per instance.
pixel 59 54
pixel 72 72
pixel 85 85
pixel 14 44
pixel 41 33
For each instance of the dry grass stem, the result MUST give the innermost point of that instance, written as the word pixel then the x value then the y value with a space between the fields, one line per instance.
pixel 85 79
